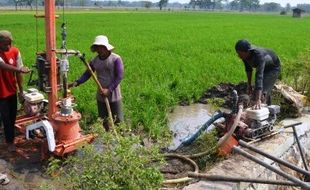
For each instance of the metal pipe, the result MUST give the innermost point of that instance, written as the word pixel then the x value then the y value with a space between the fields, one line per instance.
pixel 50 39
pixel 238 179
pixel 272 168
pixel 291 125
pixel 271 157
pixel 300 149
pixel 298 142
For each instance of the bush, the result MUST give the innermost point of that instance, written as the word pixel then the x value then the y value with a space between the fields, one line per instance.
pixel 115 161
pixel 297 73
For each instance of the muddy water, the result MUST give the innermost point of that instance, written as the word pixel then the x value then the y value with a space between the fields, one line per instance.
pixel 186 120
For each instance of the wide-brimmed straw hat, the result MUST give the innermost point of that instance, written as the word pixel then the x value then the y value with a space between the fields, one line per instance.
pixel 102 40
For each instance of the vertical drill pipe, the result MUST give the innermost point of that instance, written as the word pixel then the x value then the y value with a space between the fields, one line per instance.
pixel 278 160
pixel 50 40
pixel 272 168
pixel 101 89
pixel 239 179
pixel 65 85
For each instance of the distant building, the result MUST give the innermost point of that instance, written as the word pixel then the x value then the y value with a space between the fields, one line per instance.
pixel 297 12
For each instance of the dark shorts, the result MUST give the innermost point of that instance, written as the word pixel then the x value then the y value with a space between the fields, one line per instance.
pixel 116 109
pixel 8 110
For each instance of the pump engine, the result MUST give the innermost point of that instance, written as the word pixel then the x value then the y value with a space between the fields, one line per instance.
pixel 34 102
pixel 253 123
pixel 256 123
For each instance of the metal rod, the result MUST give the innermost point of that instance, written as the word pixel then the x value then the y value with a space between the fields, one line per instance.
pixel 298 142
pixel 238 179
pixel 272 168
pixel 50 40
pixel 291 125
pixel 299 147
pixel 271 157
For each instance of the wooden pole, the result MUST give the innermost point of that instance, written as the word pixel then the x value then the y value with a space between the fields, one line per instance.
pixel 101 89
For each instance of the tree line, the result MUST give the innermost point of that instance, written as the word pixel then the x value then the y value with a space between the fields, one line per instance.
pixel 234 5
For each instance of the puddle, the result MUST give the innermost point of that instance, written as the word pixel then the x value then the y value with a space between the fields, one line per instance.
pixel 186 120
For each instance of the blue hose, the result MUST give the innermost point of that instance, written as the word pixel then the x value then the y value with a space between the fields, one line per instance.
pixel 189 140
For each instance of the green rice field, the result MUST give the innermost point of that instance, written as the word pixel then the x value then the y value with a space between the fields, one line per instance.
pixel 168 56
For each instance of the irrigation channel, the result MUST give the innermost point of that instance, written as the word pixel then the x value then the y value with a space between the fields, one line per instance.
pixel 238 172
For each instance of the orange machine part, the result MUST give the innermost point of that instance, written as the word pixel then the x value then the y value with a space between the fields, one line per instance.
pixel 67 128
pixel 226 147
pixel 68 134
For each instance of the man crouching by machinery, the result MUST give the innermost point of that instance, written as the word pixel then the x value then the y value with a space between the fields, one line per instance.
pixel 268 68
pixel 258 120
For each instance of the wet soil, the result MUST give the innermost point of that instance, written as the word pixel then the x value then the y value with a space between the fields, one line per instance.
pixel 176 168
pixel 24 168
pixel 223 91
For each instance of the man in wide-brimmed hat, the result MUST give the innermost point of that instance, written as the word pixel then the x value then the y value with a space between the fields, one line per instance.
pixel 11 67
pixel 267 65
pixel 109 70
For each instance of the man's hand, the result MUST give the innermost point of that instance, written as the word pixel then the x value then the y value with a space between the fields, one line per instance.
pixel 73 84
pixel 257 104
pixel 105 92
pixel 21 97
pixel 24 70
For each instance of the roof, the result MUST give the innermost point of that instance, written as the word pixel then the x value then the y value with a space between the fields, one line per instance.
pixel 298 10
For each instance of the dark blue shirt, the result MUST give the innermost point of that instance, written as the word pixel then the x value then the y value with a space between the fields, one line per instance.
pixel 264 60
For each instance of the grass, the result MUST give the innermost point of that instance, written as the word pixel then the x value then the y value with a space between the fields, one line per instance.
pixel 168 56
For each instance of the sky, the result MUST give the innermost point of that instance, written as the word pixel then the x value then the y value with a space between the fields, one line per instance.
pixel 282 2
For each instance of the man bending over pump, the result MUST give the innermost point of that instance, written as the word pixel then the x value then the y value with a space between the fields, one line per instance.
pixel 267 65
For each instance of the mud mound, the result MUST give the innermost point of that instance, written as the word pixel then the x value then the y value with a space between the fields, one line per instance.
pixel 176 168
pixel 223 91
pixel 290 101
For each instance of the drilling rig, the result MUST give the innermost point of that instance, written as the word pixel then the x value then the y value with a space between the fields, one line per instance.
pixel 52 122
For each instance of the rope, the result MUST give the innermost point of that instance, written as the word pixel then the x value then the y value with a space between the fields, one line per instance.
pixel 37 28
pixel 63 11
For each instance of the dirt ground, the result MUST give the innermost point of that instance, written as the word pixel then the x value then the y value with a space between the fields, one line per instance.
pixel 24 168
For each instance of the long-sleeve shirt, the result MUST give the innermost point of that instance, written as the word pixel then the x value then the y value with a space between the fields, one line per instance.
pixel 264 60
pixel 110 73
